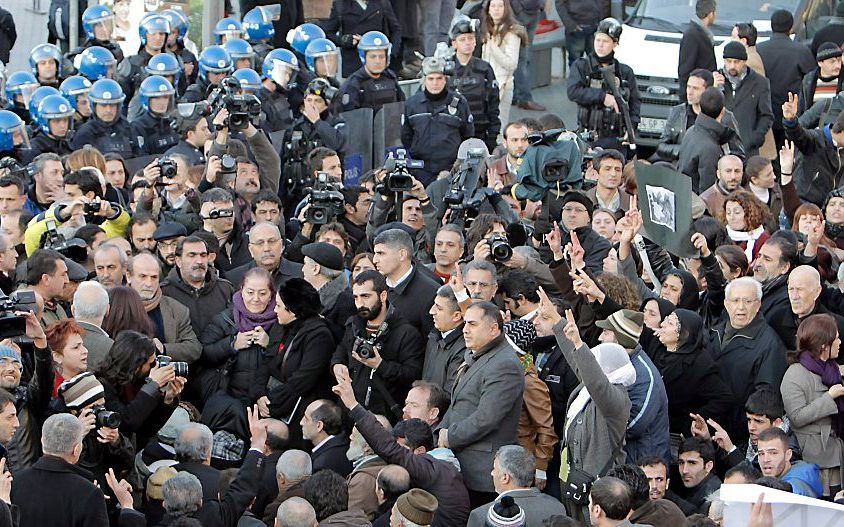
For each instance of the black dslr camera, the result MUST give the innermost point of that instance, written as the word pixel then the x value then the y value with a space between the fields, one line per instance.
pixel 12 325
pixel 22 172
pixel 326 201
pixel 398 177
pixel 92 207
pixel 242 107
pixel 500 248
pixel 179 367
pixel 106 418
pixel 365 347
pixel 168 167
pixel 228 164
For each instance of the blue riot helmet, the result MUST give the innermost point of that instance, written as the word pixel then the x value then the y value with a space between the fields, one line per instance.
pixel 300 37
pixel 98 15
pixel 37 96
pixel 153 23
pixel 374 41
pixel 226 29
pixel 12 132
pixel 95 63
pixel 164 64
pixel 156 86
pixel 51 108
pixel 241 53
pixel 105 91
pixel 214 59
pixel 326 52
pixel 74 87
pixel 45 52
pixel 179 24
pixel 21 83
pixel 258 25
pixel 249 80
pixel 280 66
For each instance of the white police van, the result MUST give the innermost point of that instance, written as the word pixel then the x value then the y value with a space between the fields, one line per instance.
pixel 650 43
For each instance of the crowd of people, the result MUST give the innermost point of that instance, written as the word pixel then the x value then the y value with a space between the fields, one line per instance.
pixel 208 319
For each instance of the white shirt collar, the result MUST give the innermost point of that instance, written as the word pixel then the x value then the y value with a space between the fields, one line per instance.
pixel 324 441
pixel 447 333
pixel 530 315
pixel 401 280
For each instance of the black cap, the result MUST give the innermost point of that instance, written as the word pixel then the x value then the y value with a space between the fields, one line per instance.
pixel 168 230
pixel 578 197
pixel 325 255
pixel 735 50
pixel 396 225
pixel 827 50
pixel 781 21
pixel 75 272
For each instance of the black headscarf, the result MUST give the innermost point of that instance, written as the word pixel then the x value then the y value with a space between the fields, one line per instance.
pixel 691 331
pixel 665 307
pixel 689 294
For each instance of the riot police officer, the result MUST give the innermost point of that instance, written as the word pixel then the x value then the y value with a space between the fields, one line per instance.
pixel 19 88
pixel 279 68
pixel 165 65
pixel 373 85
pixel 214 64
pixel 323 60
pixel 258 30
pixel 98 25
pixel 154 29
pixel 54 123
pixel 47 64
pixel 598 110
pixel 474 79
pixel 436 120
pixel 349 20
pixel 14 141
pixel 37 96
pixel 75 89
pixel 107 130
pixel 177 45
pixel 95 63
pixel 298 40
pixel 154 128
pixel 225 29
pixel 241 53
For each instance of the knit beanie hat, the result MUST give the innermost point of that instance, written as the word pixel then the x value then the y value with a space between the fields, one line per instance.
pixel 827 50
pixel 505 513
pixel 9 353
pixel 781 21
pixel 417 506
pixel 81 391
pixel 735 50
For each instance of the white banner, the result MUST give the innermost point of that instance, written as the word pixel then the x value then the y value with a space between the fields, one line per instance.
pixel 789 510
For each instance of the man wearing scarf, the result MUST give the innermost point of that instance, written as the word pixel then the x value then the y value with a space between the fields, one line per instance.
pixel 174 335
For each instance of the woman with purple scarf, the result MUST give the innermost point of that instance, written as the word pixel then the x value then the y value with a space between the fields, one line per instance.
pixel 813 395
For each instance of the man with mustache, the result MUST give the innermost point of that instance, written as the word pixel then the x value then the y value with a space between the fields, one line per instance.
pixel 380 351
pixel 266 245
pixel 204 293
pixel 174 335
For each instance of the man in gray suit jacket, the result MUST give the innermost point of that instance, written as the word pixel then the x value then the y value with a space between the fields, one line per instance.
pixel 513 473
pixel 89 308
pixel 486 400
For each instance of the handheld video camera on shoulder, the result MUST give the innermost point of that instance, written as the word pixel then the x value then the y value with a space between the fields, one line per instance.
pixel 106 418
pixel 179 368
pixel 12 325
pixel 325 200
pixel 398 177
pixel 74 248
pixel 22 172
pixel 242 107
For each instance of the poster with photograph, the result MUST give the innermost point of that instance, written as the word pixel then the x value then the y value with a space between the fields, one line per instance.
pixel 666 205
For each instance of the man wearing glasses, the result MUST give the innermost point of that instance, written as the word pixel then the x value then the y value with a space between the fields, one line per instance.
pixel 266 245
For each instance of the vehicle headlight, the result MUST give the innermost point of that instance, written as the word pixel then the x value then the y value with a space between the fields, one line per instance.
pixel 658 90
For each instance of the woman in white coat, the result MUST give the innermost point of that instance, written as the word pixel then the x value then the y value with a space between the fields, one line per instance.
pixel 503 39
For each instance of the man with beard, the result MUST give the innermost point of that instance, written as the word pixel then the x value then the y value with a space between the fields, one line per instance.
pixel 141 230
pixel 266 245
pixel 218 218
pixel 193 285
pixel 167 237
pixel 365 468
pixel 504 168
pixel 380 351
pixel 729 174
pixel 174 335
pixel 771 268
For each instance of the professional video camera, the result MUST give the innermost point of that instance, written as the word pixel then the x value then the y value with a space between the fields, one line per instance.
pixel 325 200
pixel 242 108
pixel 179 368
pixel 296 170
pixel 75 249
pixel 12 325
pixel 22 172
pixel 106 418
pixel 398 178
pixel 460 197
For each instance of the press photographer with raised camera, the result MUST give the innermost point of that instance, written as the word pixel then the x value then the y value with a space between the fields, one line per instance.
pixel 380 351
pixel 167 195
pixel 218 217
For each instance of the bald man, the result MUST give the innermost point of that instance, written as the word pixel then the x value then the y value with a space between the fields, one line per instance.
pixel 729 175
pixel 295 512
pixel 804 289
pixel 174 335
pixel 266 245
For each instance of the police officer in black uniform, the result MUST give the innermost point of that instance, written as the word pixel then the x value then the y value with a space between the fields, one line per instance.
pixel 279 68
pixel 319 124
pixel 53 127
pixel 474 79
pixel 107 130
pixel 154 128
pixel 598 111
pixel 350 19
pixel 214 65
pixel 436 120
pixel 130 72
pixel 373 85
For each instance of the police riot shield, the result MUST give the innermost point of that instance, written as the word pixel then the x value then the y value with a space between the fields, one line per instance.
pixel 666 206
pixel 386 136
pixel 358 130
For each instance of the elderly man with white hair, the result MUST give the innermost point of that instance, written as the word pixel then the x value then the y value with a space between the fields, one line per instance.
pixel 89 308
pixel 193 450
pixel 292 470
pixel 295 512
pixel 747 350
pixel 804 290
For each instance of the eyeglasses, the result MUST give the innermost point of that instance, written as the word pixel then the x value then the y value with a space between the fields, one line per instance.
pixel 262 243
pixel 482 285
pixel 743 301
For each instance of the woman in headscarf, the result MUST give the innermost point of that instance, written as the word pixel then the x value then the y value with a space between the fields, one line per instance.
pixel 655 311
pixel 598 410
pixel 690 375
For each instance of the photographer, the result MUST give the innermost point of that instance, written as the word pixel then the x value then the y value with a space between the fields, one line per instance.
pixel 169 199
pixel 380 352
pixel 84 205
pixel 357 201
pixel 218 218
pixel 103 446
pixel 154 128
pixel 137 388
pixel 417 212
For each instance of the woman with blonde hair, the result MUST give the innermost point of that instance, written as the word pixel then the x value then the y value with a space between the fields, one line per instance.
pixel 502 39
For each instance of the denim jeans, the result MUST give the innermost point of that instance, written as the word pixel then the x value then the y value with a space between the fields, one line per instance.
pixel 579 42
pixel 436 21
pixel 522 83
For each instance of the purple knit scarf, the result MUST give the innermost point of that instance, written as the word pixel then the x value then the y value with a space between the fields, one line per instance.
pixel 247 320
pixel 830 375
